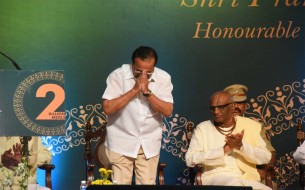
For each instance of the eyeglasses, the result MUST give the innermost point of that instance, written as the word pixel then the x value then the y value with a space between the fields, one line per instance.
pixel 219 107
pixel 137 73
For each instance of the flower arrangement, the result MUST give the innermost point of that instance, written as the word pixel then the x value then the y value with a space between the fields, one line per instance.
pixel 105 174
pixel 22 170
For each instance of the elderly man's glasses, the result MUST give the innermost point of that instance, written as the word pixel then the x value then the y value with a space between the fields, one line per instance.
pixel 219 107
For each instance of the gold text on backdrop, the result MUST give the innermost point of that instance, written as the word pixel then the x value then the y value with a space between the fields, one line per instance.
pixel 234 3
pixel 279 31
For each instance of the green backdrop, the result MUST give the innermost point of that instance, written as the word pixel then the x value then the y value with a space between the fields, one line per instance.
pixel 90 38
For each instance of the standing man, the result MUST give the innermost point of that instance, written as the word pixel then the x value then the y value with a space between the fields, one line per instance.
pixel 228 146
pixel 239 93
pixel 137 96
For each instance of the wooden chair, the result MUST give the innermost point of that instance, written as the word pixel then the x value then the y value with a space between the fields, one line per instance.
pixel 48 169
pixel 300 140
pixel 195 173
pixel 95 157
pixel 92 159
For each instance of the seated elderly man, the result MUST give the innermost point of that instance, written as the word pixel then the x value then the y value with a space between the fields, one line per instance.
pixel 228 146
pixel 10 151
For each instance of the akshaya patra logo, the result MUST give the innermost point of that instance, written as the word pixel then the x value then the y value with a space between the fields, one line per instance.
pixel 39 103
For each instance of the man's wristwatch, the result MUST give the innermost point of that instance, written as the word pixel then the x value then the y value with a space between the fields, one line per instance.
pixel 148 93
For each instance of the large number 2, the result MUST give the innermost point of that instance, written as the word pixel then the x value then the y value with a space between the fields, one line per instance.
pixel 49 112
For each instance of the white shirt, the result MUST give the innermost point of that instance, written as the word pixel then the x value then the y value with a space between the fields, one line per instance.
pixel 136 124
pixel 299 154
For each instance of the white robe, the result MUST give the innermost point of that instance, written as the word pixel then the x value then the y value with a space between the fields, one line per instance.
pixel 236 168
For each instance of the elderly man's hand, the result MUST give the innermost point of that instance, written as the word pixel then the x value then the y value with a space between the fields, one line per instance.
pixel 9 160
pixel 17 148
pixel 227 149
pixel 235 140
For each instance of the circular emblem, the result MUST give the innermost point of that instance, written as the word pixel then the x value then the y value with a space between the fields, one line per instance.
pixel 37 100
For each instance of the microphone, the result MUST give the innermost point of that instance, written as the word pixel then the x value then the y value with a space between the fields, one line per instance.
pixel 14 62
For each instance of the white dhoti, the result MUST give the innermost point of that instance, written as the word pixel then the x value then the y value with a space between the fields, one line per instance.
pixel 230 175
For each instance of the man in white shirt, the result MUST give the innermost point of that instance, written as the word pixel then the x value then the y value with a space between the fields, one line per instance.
pixel 228 146
pixel 137 96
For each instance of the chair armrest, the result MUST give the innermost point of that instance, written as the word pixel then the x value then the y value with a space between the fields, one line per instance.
pixel 48 168
pixel 268 173
pixel 199 174
pixel 161 167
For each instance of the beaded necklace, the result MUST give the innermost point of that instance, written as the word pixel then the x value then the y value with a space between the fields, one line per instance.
pixel 226 132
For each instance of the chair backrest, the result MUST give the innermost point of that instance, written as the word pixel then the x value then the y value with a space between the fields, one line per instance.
pixel 189 129
pixel 300 134
pixel 94 158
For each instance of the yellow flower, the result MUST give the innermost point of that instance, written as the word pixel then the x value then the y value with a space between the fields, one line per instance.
pixel 104 177
pixel 105 173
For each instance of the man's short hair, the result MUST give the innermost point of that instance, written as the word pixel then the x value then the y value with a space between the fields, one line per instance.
pixel 144 52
